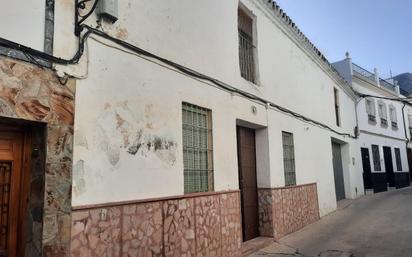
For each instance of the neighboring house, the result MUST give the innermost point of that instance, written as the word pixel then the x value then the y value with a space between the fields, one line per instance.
pixel 382 128
pixel 217 122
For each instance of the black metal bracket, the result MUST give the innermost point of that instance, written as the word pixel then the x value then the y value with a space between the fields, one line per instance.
pixel 78 18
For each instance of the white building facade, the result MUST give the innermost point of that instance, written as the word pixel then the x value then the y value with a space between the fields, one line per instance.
pixel 383 126
pixel 150 136
pixel 184 128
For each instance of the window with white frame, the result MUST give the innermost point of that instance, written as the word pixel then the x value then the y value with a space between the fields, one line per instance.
pixel 197 148
pixel 383 115
pixel 393 116
pixel 289 159
pixel 376 158
pixel 370 110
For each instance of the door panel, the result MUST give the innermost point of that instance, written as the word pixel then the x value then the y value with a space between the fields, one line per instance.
pixel 409 151
pixel 11 203
pixel 248 182
pixel 367 171
pixel 338 172
pixel 387 156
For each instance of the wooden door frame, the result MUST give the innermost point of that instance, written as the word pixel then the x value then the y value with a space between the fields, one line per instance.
pixel 24 183
pixel 238 127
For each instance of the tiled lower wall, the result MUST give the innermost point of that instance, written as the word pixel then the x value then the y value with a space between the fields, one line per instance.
pixel 288 209
pixel 207 225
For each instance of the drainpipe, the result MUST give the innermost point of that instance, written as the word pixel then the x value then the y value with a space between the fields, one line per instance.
pixel 406 137
pixel 349 60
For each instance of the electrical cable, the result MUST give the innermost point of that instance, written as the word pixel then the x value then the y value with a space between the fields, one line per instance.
pixel 192 73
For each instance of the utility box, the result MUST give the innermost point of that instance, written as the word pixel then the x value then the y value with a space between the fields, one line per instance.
pixel 108 10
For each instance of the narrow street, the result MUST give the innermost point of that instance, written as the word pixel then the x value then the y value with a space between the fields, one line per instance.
pixel 374 226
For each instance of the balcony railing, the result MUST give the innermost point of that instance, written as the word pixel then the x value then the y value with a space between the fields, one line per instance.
pixel 364 73
pixel 387 85
pixel 371 76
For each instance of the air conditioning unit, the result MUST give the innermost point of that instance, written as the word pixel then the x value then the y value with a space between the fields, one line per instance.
pixel 107 10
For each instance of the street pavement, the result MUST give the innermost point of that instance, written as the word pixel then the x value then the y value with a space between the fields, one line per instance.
pixel 378 225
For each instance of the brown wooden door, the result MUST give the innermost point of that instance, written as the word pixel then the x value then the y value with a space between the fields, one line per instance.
pixel 12 204
pixel 248 182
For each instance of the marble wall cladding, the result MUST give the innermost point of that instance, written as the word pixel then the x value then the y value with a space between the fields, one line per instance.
pixel 286 210
pixel 265 202
pixel 208 227
pixel 32 94
pixel 191 227
pixel 231 224
pixel 179 228
pixel 142 230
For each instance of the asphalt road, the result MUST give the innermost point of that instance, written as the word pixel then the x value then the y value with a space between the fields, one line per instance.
pixel 377 225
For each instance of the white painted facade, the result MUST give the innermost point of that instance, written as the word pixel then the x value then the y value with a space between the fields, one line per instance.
pixel 123 100
pixel 376 133
pixel 126 101
pixel 23 22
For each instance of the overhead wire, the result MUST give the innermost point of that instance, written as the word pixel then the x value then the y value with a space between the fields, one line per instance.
pixel 139 51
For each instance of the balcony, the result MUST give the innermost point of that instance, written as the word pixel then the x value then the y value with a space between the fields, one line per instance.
pixel 359 71
pixel 387 85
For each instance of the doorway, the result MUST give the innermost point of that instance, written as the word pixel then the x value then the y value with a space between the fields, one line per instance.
pixel 387 156
pixel 367 171
pixel 409 152
pixel 14 184
pixel 246 147
pixel 338 171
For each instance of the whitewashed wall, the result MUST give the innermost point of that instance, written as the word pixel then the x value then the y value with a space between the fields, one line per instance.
pixel 126 101
pixel 23 21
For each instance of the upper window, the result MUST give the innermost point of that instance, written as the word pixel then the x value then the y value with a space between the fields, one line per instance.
pixel 197 148
pixel 370 110
pixel 398 159
pixel 393 116
pixel 289 159
pixel 376 158
pixel 410 124
pixel 247 51
pixel 337 106
pixel 382 113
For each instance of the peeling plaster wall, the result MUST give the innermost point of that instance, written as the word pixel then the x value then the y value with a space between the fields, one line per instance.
pixel 128 131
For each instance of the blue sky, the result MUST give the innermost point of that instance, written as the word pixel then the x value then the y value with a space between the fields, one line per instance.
pixel 377 33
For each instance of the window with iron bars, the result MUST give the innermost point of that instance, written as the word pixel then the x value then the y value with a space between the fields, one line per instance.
pixel 289 159
pixel 398 159
pixel 246 46
pixel 376 158
pixel 197 148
